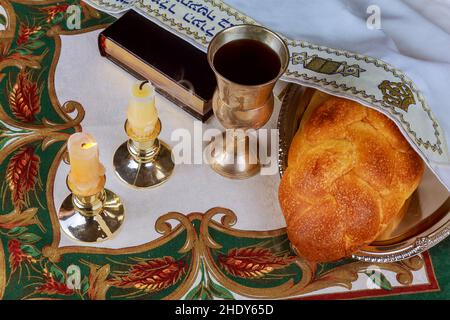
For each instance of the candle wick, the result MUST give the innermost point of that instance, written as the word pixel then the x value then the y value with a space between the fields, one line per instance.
pixel 87 145
pixel 142 84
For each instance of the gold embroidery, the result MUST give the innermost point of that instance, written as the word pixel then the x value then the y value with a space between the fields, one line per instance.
pixel 325 66
pixel 397 94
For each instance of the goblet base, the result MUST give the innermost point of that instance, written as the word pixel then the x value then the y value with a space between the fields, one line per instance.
pixel 82 224
pixel 230 161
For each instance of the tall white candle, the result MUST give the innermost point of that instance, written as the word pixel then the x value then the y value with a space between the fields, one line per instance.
pixel 142 113
pixel 86 171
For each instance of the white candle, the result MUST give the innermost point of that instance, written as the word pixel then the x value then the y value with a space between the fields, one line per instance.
pixel 142 114
pixel 86 171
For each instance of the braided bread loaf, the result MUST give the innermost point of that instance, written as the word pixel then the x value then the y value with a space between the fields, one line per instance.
pixel 349 173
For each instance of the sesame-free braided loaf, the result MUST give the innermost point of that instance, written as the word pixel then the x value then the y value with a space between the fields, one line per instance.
pixel 350 171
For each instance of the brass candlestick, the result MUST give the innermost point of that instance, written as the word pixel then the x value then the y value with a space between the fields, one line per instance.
pixel 143 161
pixel 91 218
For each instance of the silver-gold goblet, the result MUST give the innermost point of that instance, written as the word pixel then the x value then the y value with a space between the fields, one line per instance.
pixel 241 106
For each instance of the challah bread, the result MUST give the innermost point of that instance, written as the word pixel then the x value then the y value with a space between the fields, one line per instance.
pixel 350 171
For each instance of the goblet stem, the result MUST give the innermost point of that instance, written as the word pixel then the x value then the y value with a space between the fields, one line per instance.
pixel 234 155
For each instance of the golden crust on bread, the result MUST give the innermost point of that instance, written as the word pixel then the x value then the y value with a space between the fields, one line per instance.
pixel 350 171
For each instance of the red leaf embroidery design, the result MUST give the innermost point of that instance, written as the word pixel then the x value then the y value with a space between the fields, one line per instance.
pixel 25 32
pixel 16 255
pixel 253 262
pixel 152 275
pixel 24 98
pixel 21 174
pixel 51 286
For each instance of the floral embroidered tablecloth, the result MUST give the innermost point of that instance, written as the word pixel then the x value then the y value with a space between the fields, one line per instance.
pixel 198 258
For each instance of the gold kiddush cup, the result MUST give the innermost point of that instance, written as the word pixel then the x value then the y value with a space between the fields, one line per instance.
pixel 247 61
pixel 90 213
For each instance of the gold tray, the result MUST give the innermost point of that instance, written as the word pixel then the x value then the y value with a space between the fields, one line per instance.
pixel 425 223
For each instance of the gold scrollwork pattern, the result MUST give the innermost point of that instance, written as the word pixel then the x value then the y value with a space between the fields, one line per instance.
pixel 311 281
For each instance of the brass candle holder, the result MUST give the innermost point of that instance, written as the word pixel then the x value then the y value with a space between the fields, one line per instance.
pixel 91 217
pixel 143 161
